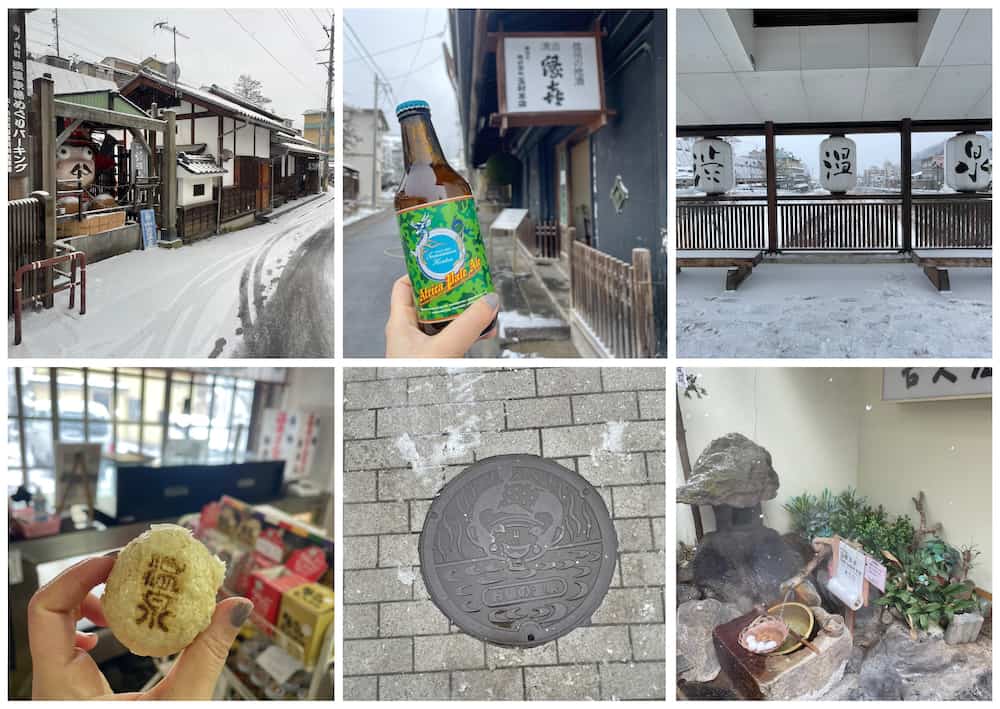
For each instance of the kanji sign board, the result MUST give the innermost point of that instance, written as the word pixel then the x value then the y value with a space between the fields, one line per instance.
pixel 551 74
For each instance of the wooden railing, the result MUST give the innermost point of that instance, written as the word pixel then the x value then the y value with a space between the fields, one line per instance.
pixel 613 300
pixel 25 244
pixel 952 221
pixel 722 224
pixel 542 239
pixel 840 223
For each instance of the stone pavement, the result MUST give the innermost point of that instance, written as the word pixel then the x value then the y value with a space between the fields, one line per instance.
pixel 408 431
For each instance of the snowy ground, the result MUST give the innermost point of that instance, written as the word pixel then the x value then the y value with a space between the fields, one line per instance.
pixel 195 301
pixel 834 310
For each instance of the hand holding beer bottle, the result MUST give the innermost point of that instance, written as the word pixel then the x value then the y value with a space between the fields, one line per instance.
pixel 444 251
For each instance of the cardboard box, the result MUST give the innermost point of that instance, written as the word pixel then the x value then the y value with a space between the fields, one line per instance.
pixel 268 586
pixel 306 613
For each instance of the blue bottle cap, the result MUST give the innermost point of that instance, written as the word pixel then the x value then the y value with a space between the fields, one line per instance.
pixel 412 105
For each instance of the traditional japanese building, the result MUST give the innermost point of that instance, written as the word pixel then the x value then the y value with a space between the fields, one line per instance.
pixel 578 139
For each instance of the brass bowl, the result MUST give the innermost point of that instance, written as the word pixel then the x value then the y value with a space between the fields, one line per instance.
pixel 797 616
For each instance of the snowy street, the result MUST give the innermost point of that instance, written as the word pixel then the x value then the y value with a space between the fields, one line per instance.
pixel 263 291
pixel 834 310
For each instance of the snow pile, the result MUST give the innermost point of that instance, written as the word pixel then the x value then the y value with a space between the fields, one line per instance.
pixel 834 310
pixel 612 450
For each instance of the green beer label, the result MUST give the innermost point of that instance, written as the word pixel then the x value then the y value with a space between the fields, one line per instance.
pixel 445 257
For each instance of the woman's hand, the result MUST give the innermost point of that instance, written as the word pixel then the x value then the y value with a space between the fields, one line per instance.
pixel 404 338
pixel 62 667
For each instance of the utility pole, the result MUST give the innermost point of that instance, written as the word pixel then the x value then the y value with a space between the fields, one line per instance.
pixel 328 113
pixel 375 145
pixel 172 29
pixel 55 24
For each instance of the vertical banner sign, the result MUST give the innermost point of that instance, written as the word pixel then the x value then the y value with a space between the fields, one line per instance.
pixel 17 94
pixel 147 222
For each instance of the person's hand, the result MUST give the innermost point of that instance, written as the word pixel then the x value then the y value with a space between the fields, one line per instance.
pixel 404 338
pixel 62 667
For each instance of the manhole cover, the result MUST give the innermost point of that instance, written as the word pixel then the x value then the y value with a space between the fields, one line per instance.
pixel 518 550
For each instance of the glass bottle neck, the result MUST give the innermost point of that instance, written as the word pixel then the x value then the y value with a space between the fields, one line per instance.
pixel 420 143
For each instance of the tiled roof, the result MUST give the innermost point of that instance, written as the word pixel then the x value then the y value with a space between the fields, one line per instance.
pixel 199 164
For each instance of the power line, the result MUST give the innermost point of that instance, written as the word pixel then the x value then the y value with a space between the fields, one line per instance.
pixel 260 44
pixel 396 48
pixel 353 37
pixel 431 63
pixel 317 18
pixel 423 32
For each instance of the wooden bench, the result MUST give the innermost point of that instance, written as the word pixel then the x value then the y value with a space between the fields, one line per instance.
pixel 936 263
pixel 739 263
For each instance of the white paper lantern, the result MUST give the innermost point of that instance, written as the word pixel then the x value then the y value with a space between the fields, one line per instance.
pixel 713 165
pixel 838 164
pixel 967 162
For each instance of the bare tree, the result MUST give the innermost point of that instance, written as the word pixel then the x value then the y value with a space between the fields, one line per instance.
pixel 250 89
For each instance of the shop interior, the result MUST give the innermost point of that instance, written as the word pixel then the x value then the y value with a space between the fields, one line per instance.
pixel 243 457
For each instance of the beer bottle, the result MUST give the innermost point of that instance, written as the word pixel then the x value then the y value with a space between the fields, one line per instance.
pixel 438 225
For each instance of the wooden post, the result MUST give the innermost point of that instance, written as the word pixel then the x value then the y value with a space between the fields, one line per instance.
pixel 772 187
pixel 169 182
pixel 642 302
pixel 906 182
pixel 44 89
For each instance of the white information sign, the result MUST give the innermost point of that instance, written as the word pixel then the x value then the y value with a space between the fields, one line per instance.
pixel 928 383
pixel 848 583
pixel 551 74
pixel 875 573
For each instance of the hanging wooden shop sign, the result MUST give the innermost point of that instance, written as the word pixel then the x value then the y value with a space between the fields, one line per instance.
pixel 549 78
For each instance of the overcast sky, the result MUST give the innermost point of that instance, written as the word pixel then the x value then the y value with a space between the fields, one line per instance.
pixel 416 70
pixel 218 50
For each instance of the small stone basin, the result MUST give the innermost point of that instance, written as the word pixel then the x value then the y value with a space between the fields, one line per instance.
pixel 798 617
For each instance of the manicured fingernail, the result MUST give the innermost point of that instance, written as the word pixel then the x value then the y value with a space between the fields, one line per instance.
pixel 113 554
pixel 492 300
pixel 238 616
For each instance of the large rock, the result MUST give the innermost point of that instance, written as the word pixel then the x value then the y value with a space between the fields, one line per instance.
pixel 964 628
pixel 804 675
pixel 744 567
pixel 695 622
pixel 733 471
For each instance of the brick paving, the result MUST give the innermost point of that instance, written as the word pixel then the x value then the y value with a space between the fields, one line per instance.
pixel 407 432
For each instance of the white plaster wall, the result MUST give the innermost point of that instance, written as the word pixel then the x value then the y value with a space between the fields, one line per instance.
pixel 185 191
pixel 263 142
pixel 244 140
pixel 206 130
pixel 941 447
pixel 808 418
pixel 228 141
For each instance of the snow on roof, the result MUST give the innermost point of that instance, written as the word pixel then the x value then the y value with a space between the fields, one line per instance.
pixel 302 148
pixel 66 81
pixel 199 164
pixel 206 96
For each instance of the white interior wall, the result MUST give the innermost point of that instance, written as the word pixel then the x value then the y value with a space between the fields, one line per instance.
pixel 310 390
pixel 941 447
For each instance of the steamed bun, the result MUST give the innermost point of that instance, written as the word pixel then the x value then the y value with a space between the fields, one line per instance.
pixel 161 592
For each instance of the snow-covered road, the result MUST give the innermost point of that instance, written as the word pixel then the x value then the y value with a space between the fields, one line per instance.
pixel 834 310
pixel 182 302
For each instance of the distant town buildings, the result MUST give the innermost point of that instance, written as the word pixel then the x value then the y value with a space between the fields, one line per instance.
pixel 363 147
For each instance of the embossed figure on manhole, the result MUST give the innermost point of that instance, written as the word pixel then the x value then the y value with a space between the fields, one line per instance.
pixel 518 550
pixel 161 585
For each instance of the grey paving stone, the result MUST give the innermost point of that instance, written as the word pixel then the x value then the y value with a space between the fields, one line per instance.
pixel 559 381
pixel 634 534
pixel 448 652
pixel 537 413
pixel 372 585
pixel 613 469
pixel 595 644
pixel 396 549
pixel 406 372
pixel 428 390
pixel 407 485
pixel 359 424
pixel 492 385
pixel 506 685
pixel 357 374
pixel 497 656
pixel 361 689
pixel 376 518
pixel 598 408
pixel 594 439
pixel 437 418
pixel 368 657
pixel 562 682
pixel 629 378
pixel 630 605
pixel 508 442
pixel 361 621
pixel 411 618
pixel 360 552
pixel 373 455
pixel 373 395
pixel 643 568
pixel 656 467
pixel 421 686
pixel 633 680
pixel 653 404
pixel 648 642
pixel 639 501
pixel 418 512
pixel 359 486
pixel 659 540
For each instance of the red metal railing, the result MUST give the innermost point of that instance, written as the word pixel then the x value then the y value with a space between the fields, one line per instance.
pixel 71 258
